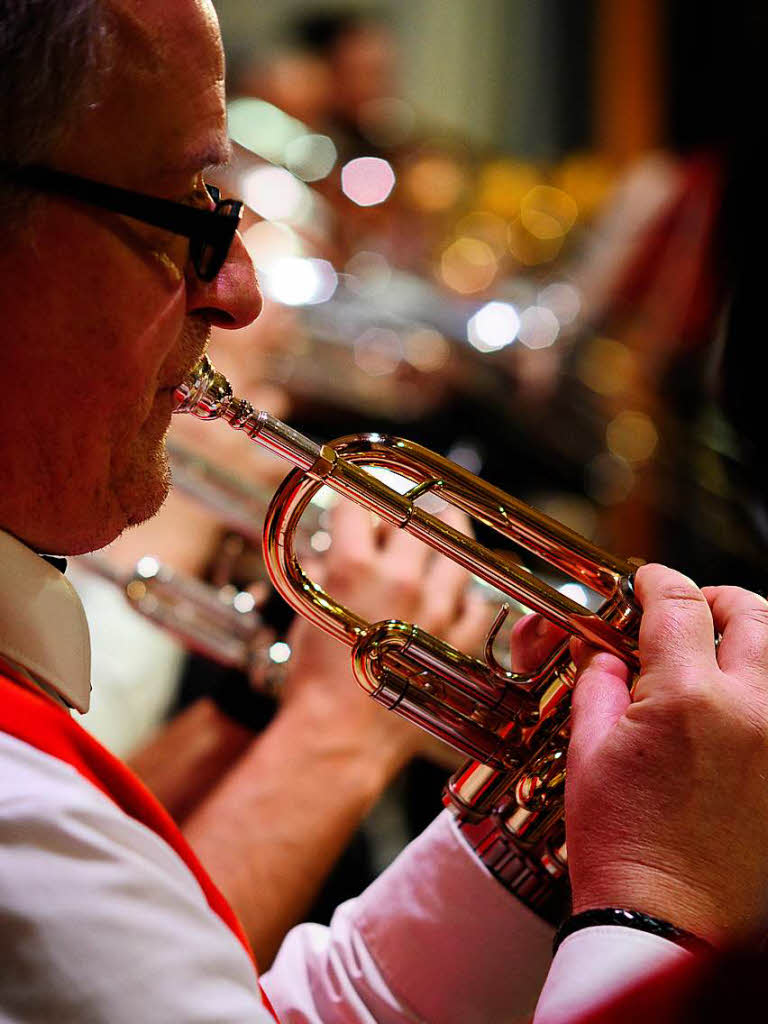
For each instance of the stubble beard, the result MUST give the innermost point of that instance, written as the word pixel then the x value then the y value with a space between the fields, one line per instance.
pixel 154 488
pixel 143 489
pixel 156 485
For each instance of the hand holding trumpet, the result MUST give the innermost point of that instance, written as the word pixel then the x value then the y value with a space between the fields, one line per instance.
pixel 667 790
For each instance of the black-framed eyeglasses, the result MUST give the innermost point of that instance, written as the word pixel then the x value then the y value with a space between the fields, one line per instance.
pixel 210 232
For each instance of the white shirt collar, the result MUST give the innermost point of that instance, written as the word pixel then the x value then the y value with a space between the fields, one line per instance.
pixel 42 623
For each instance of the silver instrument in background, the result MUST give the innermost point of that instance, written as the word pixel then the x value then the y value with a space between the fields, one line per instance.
pixel 238 504
pixel 514 727
pixel 222 624
pixel 364 354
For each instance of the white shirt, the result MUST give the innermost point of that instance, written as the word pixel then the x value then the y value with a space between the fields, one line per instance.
pixel 135 665
pixel 102 921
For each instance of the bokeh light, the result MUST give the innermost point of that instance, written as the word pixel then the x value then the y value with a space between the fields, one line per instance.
pixel 296 281
pixel 434 182
pixel 243 602
pixel 468 265
pixel 268 242
pixel 529 249
pixel 563 299
pixel 263 128
pixel 607 367
pixel 539 327
pixel 632 436
pixel 548 213
pixel 488 227
pixel 426 349
pixel 275 194
pixel 378 351
pixel 311 157
pixel 279 652
pixel 320 541
pixel 147 567
pixel 367 180
pixel 467 455
pixel 369 273
pixel 493 327
pixel 503 183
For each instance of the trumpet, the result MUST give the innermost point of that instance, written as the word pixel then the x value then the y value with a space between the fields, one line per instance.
pixel 220 624
pixel 513 727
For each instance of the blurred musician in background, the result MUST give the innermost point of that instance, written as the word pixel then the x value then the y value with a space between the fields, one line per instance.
pixel 332 69
pixel 108 913
pixel 360 53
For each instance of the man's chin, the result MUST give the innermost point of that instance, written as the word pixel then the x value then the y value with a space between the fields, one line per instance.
pixel 142 502
pixel 135 500
pixel 97 535
pixel 146 511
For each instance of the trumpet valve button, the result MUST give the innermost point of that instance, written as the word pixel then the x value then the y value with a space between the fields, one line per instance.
pixel 554 861
pixel 528 790
pixel 518 821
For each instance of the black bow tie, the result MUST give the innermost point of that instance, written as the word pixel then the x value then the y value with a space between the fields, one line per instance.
pixel 57 562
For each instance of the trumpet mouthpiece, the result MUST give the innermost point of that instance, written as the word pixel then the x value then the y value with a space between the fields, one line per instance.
pixel 205 393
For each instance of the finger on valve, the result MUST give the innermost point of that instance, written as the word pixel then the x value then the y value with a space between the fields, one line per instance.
pixel 676 629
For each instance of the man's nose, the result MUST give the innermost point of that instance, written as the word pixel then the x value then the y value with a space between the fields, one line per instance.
pixel 233 299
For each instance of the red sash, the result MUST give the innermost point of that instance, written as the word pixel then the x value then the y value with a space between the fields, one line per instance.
pixel 49 728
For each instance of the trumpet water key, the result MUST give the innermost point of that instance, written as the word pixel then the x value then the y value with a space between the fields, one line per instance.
pixel 513 727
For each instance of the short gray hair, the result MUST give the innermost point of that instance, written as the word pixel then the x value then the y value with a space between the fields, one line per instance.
pixel 48 49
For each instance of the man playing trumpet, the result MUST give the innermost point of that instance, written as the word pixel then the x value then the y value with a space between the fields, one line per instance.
pixel 108 915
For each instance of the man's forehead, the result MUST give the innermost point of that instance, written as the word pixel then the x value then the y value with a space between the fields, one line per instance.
pixel 152 31
pixel 160 104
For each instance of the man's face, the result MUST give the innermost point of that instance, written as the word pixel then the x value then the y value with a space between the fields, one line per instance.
pixel 103 315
